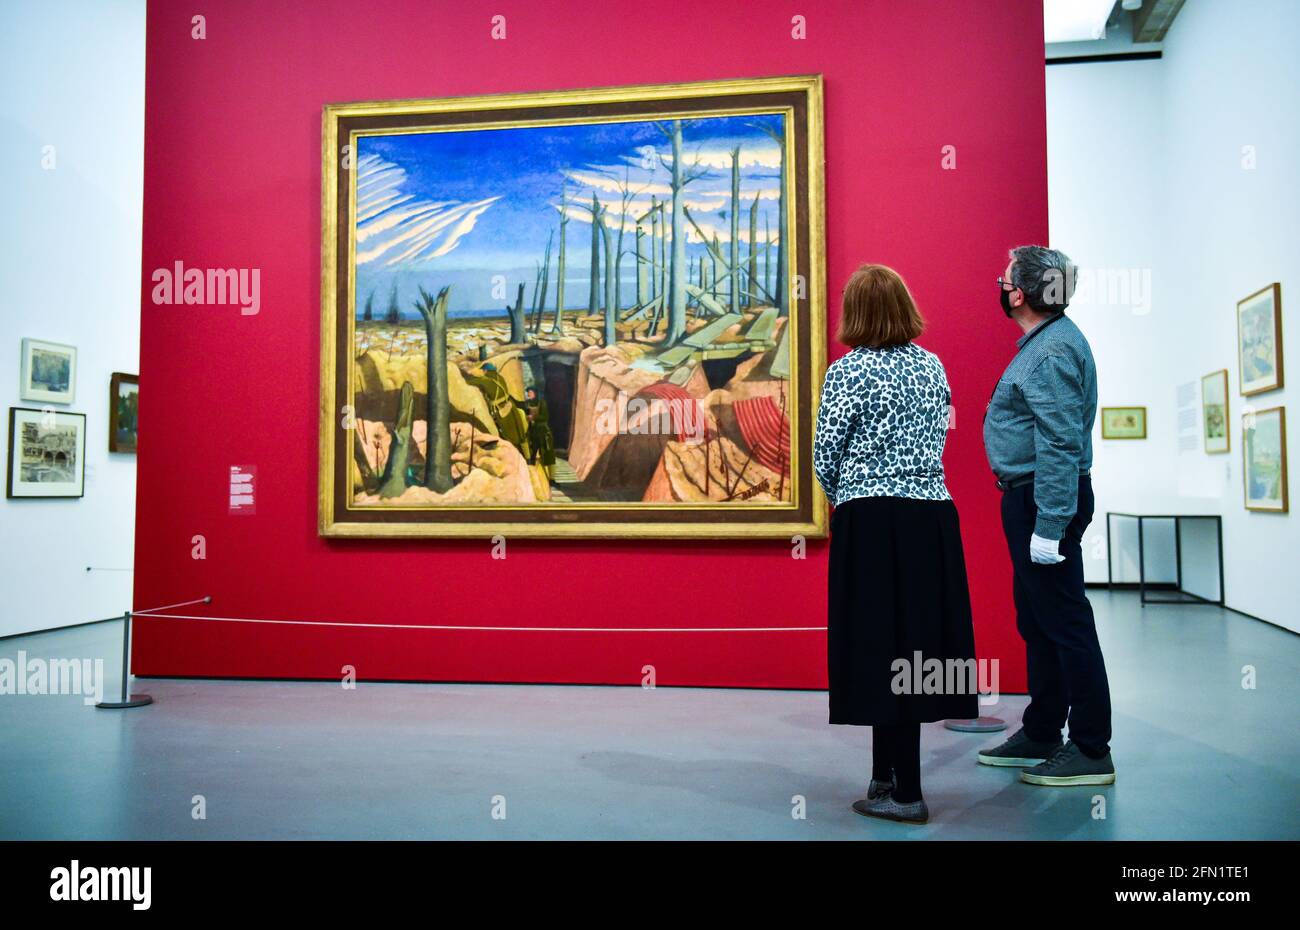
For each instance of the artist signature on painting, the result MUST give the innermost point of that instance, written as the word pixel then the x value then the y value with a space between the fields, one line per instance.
pixel 752 491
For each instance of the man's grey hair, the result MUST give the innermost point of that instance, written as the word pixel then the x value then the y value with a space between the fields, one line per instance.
pixel 1045 275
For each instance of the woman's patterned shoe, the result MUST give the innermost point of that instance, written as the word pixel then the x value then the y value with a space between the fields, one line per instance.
pixel 887 808
pixel 879 789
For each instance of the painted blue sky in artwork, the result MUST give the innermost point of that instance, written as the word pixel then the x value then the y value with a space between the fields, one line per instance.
pixel 462 207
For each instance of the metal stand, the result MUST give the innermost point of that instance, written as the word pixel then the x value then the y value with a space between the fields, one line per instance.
pixel 1176 594
pixel 128 700
pixel 977 725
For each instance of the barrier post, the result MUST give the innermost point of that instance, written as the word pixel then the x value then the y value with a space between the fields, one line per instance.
pixel 128 700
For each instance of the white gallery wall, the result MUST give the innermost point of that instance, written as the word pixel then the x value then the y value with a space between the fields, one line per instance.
pixel 71 153
pixel 1174 184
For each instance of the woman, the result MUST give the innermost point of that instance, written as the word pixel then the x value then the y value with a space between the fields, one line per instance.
pixel 897 586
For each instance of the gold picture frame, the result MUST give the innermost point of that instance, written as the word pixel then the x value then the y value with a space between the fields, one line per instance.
pixel 1123 422
pixel 1216 437
pixel 347 506
pixel 1259 341
pixel 1264 471
pixel 123 412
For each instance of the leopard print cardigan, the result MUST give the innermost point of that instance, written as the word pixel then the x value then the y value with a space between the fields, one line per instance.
pixel 882 424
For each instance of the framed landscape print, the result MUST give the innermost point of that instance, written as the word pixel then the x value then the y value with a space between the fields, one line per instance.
pixel 579 313
pixel 1259 340
pixel 47 453
pixel 48 372
pixel 1214 411
pixel 1264 448
pixel 1123 422
pixel 123 407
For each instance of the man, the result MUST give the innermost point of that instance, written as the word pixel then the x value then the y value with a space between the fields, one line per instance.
pixel 1038 436
pixel 507 412
pixel 540 439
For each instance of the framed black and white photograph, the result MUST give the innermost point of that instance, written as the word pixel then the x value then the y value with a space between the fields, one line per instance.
pixel 47 453
pixel 48 372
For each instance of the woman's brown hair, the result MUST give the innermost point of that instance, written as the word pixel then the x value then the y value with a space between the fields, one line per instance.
pixel 878 310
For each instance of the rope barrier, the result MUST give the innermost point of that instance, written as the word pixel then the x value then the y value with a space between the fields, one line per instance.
pixel 206 599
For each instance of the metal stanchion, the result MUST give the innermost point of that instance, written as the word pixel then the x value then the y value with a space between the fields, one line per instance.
pixel 128 700
pixel 976 725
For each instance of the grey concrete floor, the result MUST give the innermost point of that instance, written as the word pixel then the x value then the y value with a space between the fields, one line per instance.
pixel 1198 755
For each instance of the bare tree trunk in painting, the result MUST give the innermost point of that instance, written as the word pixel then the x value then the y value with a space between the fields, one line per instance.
pixel 543 286
pixel 593 299
pixel 517 328
pixel 642 273
pixel 393 481
pixel 677 268
pixel 437 459
pixel 782 292
pixel 734 270
pixel 558 328
pixel 611 291
pixel 767 255
pixel 752 290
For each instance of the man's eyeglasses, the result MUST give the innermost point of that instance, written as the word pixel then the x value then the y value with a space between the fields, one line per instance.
pixel 1004 284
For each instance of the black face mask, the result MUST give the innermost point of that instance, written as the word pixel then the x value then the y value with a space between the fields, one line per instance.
pixel 1005 296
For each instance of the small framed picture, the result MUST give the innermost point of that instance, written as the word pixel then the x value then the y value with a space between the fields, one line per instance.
pixel 1263 446
pixel 47 453
pixel 1214 411
pixel 48 372
pixel 1123 422
pixel 1259 340
pixel 123 404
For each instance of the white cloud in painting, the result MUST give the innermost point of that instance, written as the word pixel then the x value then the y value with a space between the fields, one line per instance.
pixel 752 155
pixel 397 229
pixel 613 180
pixel 645 174
pixel 723 232
pixel 746 194
pixel 719 230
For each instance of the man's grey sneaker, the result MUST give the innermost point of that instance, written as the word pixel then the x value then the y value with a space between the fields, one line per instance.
pixel 887 808
pixel 1019 751
pixel 1069 766
pixel 879 789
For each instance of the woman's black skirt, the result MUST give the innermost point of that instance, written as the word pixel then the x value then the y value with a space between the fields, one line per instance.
pixel 898 594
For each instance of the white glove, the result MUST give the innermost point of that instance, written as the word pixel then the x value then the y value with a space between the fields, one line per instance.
pixel 1044 551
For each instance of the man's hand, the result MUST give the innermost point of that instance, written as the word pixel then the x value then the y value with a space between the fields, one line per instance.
pixel 1044 551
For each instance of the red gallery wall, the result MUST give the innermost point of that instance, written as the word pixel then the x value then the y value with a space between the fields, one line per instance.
pixel 232 179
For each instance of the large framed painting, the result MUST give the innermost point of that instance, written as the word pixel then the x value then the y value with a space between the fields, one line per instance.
pixel 1123 422
pixel 1259 341
pixel 1214 411
pixel 47 372
pixel 581 313
pixel 47 453
pixel 1264 449
pixel 123 411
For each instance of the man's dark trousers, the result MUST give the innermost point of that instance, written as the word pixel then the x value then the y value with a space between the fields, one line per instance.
pixel 1067 675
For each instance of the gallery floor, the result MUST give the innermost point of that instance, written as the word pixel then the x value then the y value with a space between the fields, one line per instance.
pixel 1198 755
